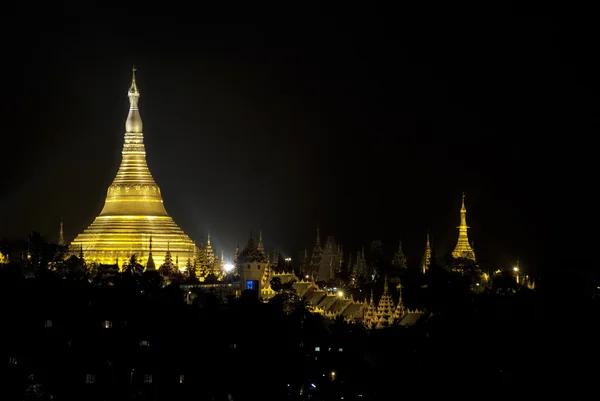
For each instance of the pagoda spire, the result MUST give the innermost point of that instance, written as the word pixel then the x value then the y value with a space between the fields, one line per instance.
pixel 61 237
pixel 150 265
pixel 463 248
pixel 426 261
pixel 134 120
pixel 318 237
pixel 399 260
pixel 260 245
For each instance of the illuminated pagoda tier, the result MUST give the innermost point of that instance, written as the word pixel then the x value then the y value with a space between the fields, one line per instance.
pixel 463 248
pixel 133 211
pixel 384 316
pixel 370 312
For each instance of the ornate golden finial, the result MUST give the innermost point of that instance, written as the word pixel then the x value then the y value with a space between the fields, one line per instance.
pixel 133 88
pixel 133 124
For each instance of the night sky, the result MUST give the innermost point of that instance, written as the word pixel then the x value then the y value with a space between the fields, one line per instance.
pixel 369 123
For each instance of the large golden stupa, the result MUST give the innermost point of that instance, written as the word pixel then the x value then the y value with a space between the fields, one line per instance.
pixel 134 217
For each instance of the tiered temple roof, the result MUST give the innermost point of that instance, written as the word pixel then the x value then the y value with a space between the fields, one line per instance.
pixel 251 253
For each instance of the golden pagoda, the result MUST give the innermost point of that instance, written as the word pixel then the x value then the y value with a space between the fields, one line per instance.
pixel 134 219
pixel 463 248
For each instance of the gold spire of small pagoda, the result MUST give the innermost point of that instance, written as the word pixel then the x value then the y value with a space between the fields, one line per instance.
pixel 150 265
pixel 318 237
pixel 260 245
pixel 133 207
pixel 463 248
pixel 426 262
pixel 61 237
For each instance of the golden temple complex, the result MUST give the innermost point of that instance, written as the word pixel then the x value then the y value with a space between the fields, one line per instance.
pixel 463 249
pixel 134 219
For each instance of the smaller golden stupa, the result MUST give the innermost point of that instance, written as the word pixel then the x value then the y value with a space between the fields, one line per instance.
pixel 463 248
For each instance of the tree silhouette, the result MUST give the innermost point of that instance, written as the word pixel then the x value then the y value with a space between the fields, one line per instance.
pixel 276 284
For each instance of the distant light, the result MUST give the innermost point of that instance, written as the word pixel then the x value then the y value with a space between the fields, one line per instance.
pixel 228 267
pixel 313 384
pixel 307 276
pixel 341 293
pixel 477 284
pixel 516 268
pixel 288 259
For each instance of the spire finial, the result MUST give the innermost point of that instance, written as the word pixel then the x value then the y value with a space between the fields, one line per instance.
pixel 318 236
pixel 134 121
pixel 61 238
pixel 385 285
pixel 133 89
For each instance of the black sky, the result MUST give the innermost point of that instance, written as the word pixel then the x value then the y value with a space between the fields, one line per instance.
pixel 369 123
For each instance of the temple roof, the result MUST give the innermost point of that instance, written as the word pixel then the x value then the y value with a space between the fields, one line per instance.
pixel 410 319
pixel 315 297
pixel 354 311
pixel 252 254
pixel 303 287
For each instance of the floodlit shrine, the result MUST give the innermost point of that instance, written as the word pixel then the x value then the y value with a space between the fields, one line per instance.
pixel 134 217
pixel 463 249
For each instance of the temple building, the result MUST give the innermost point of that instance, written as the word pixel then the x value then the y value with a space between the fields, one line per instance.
pixel 331 260
pixel 463 249
pixel 360 270
pixel 251 266
pixel 133 210
pixel 399 261
pixel 384 315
